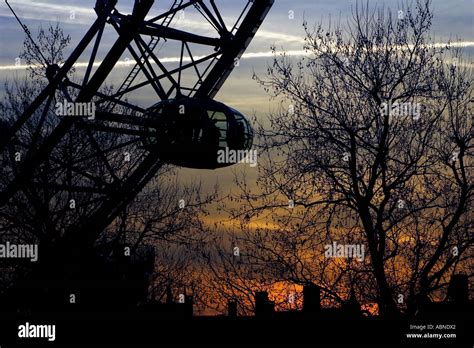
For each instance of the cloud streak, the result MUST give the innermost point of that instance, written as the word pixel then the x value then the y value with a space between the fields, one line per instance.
pixel 30 9
pixel 33 10
pixel 130 63
pixel 249 55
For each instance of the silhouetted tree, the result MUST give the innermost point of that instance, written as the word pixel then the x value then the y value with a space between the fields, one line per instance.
pixel 373 145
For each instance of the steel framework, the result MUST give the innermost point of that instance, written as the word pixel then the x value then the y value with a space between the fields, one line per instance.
pixel 106 166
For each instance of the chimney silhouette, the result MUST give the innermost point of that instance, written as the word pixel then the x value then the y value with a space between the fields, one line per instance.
pixel 263 306
pixel 169 295
pixel 458 290
pixel 189 305
pixel 232 308
pixel 352 306
pixel 311 298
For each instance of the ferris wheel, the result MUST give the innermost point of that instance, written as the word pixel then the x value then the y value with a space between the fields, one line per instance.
pixel 102 159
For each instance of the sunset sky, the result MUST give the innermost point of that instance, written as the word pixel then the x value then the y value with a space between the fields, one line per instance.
pixel 282 28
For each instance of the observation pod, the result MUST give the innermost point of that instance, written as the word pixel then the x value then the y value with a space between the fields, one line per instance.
pixel 191 131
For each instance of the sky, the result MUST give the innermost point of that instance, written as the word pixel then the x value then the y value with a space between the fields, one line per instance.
pixel 282 28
